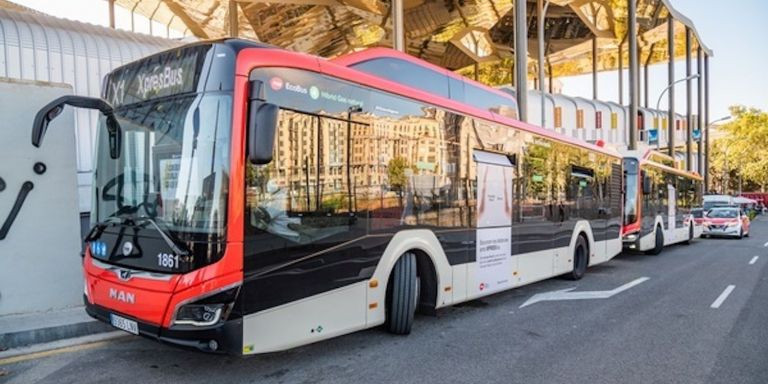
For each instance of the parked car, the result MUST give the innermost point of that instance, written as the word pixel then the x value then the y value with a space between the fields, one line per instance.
pixel 711 201
pixel 726 221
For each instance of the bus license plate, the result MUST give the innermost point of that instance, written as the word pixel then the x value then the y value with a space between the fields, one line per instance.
pixel 127 325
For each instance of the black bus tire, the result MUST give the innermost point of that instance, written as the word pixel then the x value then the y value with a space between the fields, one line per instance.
pixel 401 295
pixel 580 259
pixel 690 235
pixel 659 242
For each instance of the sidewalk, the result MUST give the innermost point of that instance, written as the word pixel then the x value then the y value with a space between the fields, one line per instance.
pixel 44 327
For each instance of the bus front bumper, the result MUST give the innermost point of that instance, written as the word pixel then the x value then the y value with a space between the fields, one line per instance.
pixel 222 338
pixel 631 241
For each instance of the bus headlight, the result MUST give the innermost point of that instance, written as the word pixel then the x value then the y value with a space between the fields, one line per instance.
pixel 207 310
pixel 201 315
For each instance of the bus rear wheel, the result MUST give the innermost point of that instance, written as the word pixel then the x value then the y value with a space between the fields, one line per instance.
pixel 659 244
pixel 580 259
pixel 402 295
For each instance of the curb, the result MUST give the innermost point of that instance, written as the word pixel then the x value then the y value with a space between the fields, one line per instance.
pixel 13 340
pixel 47 349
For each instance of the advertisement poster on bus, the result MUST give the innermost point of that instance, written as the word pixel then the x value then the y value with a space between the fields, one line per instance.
pixel 494 217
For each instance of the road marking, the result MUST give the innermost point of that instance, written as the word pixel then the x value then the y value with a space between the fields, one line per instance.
pixel 754 259
pixel 766 244
pixel 53 352
pixel 566 294
pixel 722 297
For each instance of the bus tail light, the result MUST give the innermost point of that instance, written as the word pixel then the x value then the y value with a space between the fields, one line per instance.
pixel 207 310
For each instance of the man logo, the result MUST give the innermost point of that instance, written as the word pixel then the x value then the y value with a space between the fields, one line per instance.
pixel 124 274
pixel 127 248
pixel 119 295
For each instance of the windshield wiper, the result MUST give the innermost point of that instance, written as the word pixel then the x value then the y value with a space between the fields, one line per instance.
pixel 166 237
pixel 99 228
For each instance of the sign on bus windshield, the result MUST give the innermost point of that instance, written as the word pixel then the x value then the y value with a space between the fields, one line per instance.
pixel 165 74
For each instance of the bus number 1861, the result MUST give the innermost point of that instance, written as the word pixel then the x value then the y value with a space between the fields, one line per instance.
pixel 167 260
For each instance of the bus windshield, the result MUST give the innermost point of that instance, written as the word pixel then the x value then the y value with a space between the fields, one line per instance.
pixel 173 166
pixel 631 190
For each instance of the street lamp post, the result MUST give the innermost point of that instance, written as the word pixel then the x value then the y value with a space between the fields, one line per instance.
pixel 724 118
pixel 672 122
pixel 691 77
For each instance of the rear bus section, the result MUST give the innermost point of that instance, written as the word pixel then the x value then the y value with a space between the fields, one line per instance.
pixel 658 203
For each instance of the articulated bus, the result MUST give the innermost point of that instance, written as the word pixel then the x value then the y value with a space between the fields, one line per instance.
pixel 248 199
pixel 658 200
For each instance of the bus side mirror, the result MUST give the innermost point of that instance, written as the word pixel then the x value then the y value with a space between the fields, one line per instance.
pixel 53 109
pixel 646 185
pixel 262 124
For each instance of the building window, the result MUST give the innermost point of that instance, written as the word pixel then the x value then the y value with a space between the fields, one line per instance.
pixel 558 117
pixel 579 118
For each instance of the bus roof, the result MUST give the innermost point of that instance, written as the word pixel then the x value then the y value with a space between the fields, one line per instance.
pixel 353 58
pixel 266 57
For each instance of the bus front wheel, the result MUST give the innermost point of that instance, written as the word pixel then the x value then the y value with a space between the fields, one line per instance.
pixel 580 259
pixel 402 295
pixel 659 242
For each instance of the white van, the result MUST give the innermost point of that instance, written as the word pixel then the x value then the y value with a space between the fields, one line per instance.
pixel 711 201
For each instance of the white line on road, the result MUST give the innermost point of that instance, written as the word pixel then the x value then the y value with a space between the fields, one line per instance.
pixel 722 297
pixel 766 244
pixel 754 259
pixel 566 294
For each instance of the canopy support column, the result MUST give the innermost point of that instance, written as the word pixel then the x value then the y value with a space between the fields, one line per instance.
pixel 688 102
pixel 521 58
pixel 621 73
pixel 699 109
pixel 671 123
pixel 706 122
pixel 398 32
pixel 633 99
pixel 111 13
pixel 594 67
pixel 232 18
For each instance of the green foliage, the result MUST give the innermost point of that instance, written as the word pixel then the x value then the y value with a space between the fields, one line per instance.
pixel 743 151
pixel 396 172
pixel 333 204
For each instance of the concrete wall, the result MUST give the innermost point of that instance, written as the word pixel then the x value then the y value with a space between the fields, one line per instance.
pixel 40 266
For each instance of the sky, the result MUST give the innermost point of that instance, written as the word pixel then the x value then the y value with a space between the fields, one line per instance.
pixel 734 29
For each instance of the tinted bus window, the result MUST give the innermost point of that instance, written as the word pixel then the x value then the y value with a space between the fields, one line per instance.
pixel 490 101
pixel 403 72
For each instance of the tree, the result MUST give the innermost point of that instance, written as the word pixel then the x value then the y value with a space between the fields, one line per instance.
pixel 397 175
pixel 743 151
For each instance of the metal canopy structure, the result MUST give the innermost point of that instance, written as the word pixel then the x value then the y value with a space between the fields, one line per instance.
pixel 449 33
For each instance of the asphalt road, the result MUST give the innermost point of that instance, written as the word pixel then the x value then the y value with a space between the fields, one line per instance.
pixel 663 330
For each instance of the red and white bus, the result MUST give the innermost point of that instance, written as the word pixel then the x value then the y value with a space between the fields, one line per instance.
pixel 658 202
pixel 248 199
